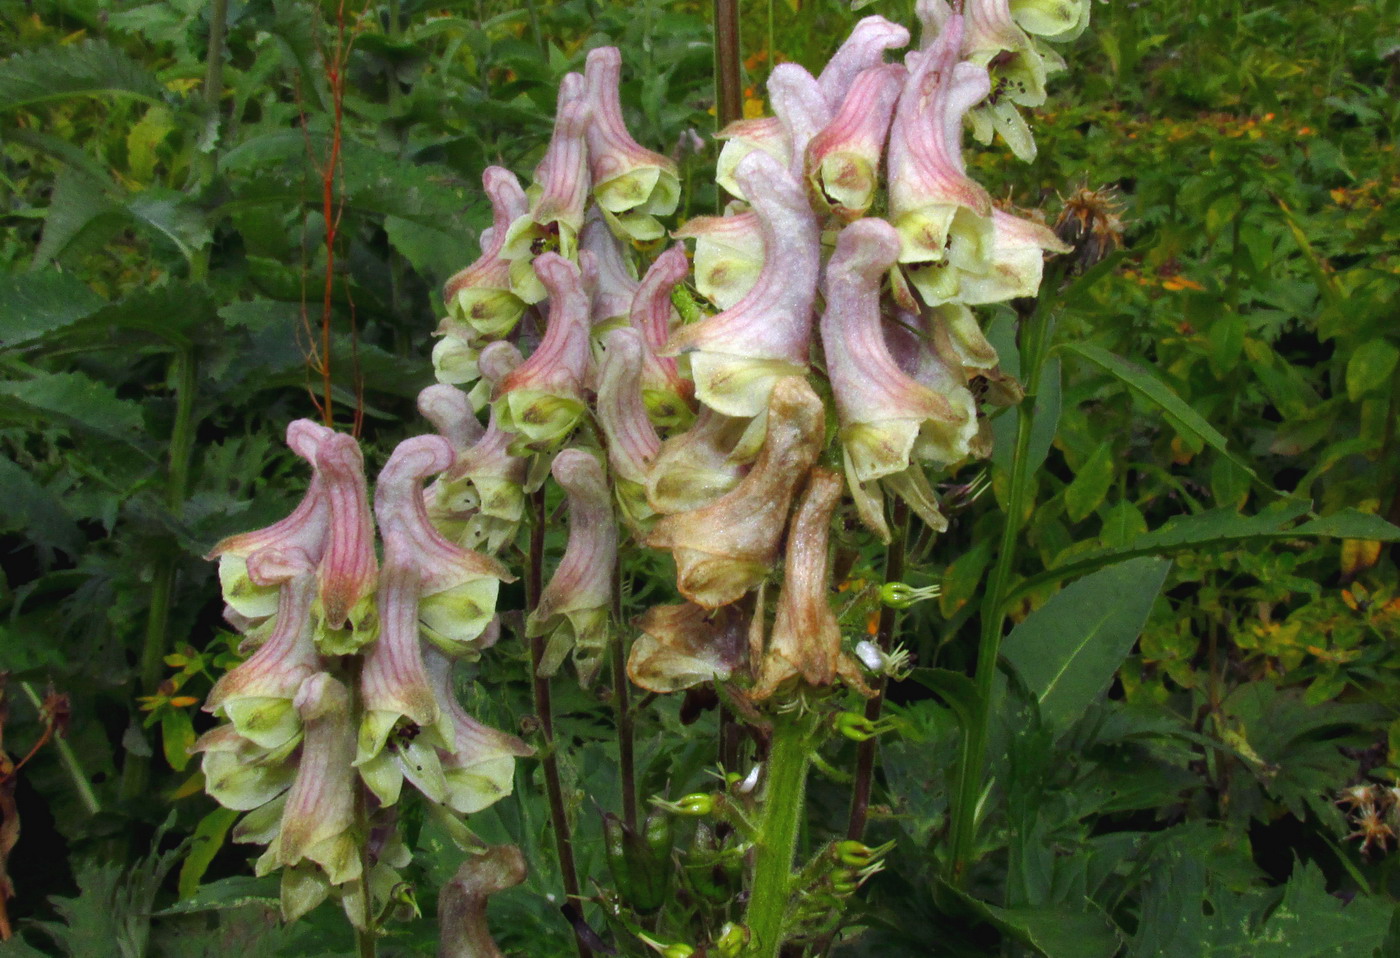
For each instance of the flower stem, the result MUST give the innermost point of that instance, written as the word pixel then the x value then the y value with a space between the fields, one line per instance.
pixel 554 789
pixel 1037 333
pixel 776 844
pixel 729 105
pixel 627 763
pixel 865 754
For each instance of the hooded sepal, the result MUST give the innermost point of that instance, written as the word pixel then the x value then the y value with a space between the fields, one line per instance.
pixel 541 400
pixel 727 547
pixel 864 48
pixel 238 773
pixel 558 196
pixel 842 164
pixel 347 571
pixel 633 185
pixel 698 466
pixel 728 254
pixel 573 609
pixel 737 355
pixel 611 282
pixel 666 395
pixel 684 645
pixel 480 297
pixel 632 441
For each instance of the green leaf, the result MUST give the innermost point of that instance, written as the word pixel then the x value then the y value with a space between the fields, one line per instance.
pixel 209 836
pixel 228 893
pixel 1311 923
pixel 176 737
pixel 32 304
pixel 1053 932
pixel 1091 482
pixel 30 508
pixel 1221 527
pixel 1180 414
pixel 954 688
pixel 75 401
pixel 80 217
pixel 92 68
pixel 1047 420
pixel 1067 651
pixel 1369 368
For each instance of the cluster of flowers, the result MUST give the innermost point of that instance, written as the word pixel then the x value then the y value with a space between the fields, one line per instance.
pixel 705 412
pixel 311 724
pixel 696 428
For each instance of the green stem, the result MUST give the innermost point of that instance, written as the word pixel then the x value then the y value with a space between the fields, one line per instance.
pixel 777 834
pixel 1038 331
pixel 69 759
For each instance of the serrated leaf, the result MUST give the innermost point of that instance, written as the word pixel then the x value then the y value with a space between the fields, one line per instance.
pixel 32 304
pixel 1182 417
pixel 76 401
pixel 1311 923
pixel 33 510
pixel 91 68
pixel 1067 651
pixel 80 216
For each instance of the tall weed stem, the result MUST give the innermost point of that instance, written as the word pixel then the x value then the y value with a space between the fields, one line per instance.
pixel 544 710
pixel 1037 333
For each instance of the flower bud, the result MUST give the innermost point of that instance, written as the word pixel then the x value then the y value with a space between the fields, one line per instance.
pixel 632 184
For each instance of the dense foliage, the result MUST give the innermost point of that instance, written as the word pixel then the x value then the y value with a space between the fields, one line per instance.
pixel 198 253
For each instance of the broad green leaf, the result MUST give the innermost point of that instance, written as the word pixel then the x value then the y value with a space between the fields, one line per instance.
pixel 1370 367
pixel 1312 923
pixel 1047 420
pixel 80 217
pixel 1182 417
pixel 176 737
pixel 1067 651
pixel 92 68
pixel 1066 932
pixel 173 215
pixel 1220 527
pixel 75 401
pixel 1091 482
pixel 32 304
pixel 954 688
pixel 208 839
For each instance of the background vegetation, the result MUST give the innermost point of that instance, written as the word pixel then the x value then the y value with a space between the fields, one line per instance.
pixel 189 244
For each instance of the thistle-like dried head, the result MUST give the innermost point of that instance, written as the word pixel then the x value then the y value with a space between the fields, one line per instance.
pixel 806 640
pixel 737 355
pixel 633 185
pixel 574 607
pixel 725 548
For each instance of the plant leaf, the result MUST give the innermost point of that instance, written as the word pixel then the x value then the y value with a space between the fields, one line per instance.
pixel 32 304
pixel 92 68
pixel 1067 651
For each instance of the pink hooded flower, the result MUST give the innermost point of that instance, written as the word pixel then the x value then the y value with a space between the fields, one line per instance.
pixel 843 160
pixel 558 196
pixel 257 695
pixel 727 547
pixel 346 573
pixel 665 394
pixel 737 355
pixel 574 607
pixel 633 185
pixel 742 137
pixel 542 399
pixel 612 282
pixel 479 297
pixel 622 416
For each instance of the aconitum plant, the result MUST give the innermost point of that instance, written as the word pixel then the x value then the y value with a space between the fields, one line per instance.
pixel 811 367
